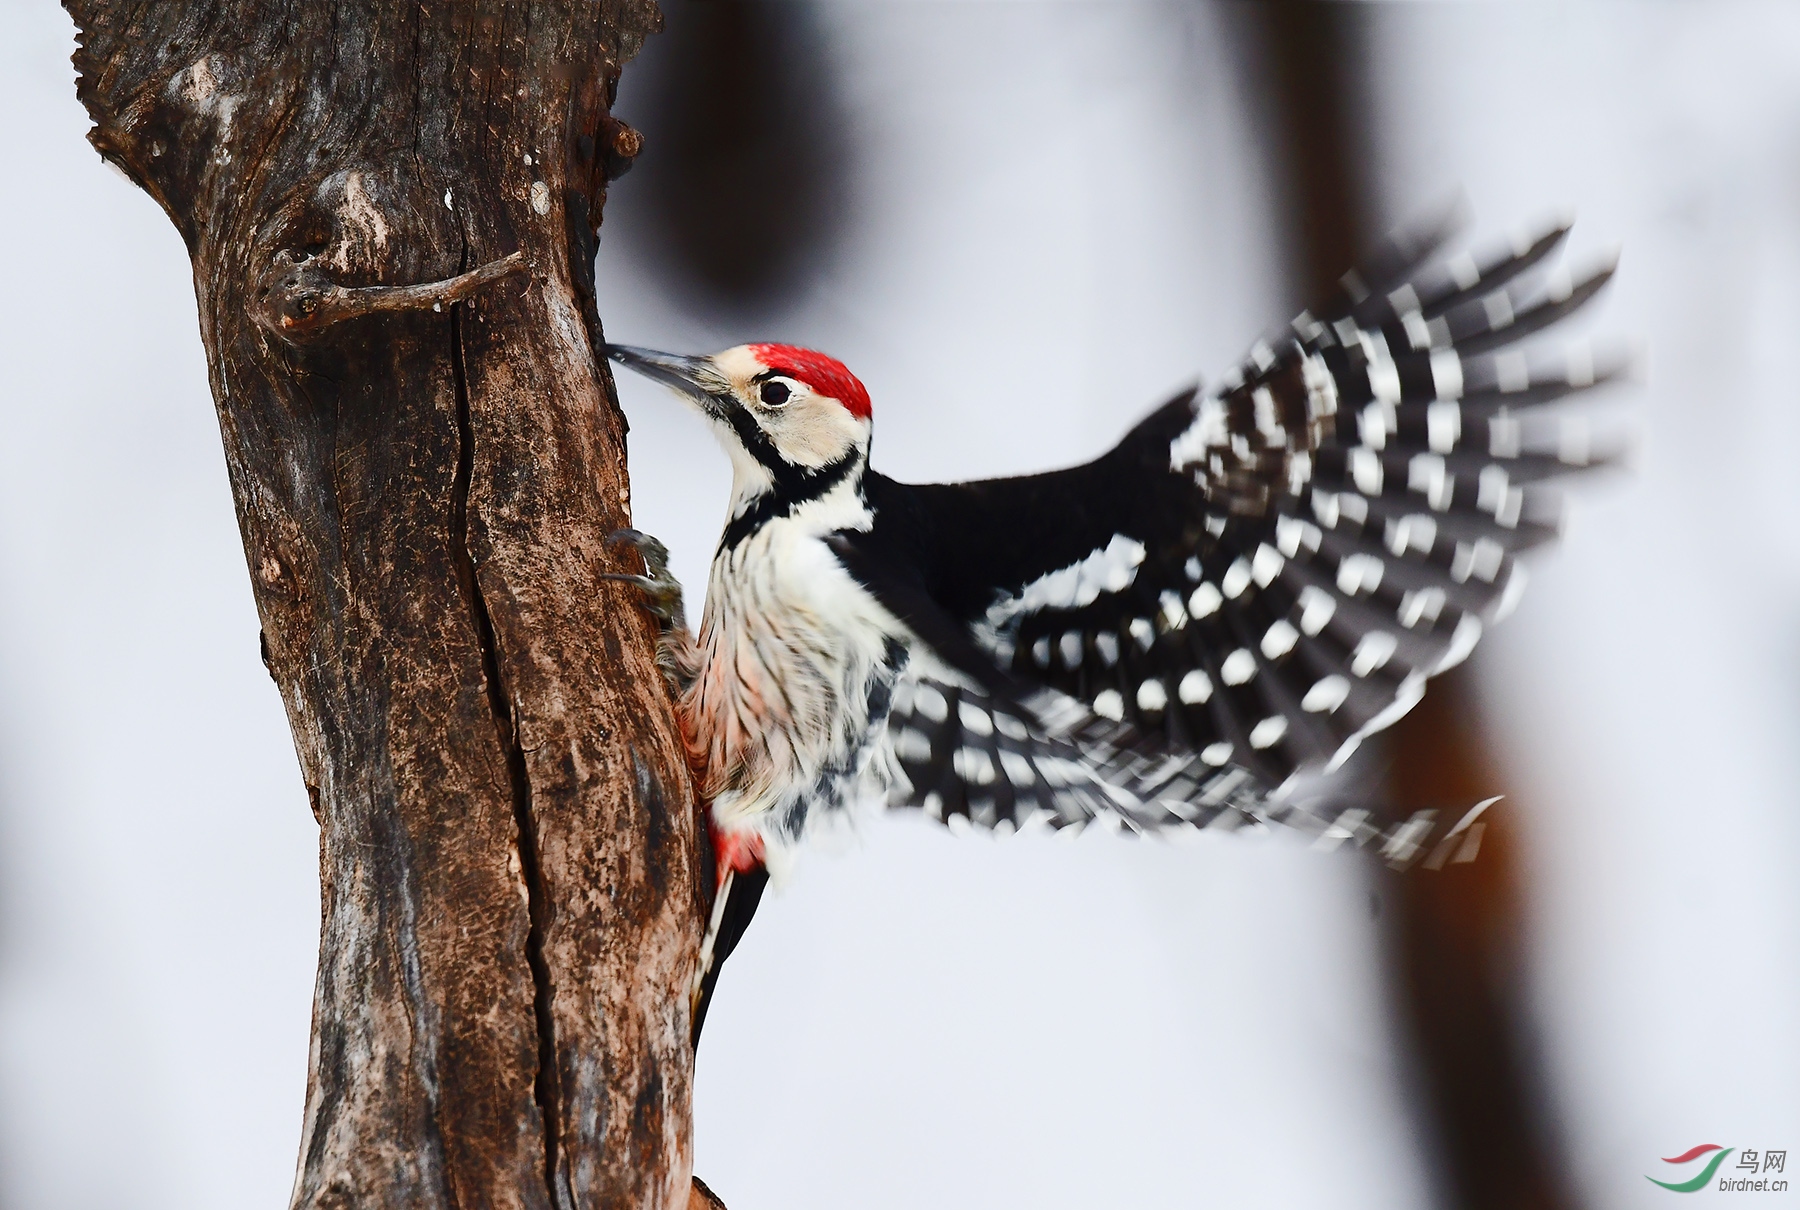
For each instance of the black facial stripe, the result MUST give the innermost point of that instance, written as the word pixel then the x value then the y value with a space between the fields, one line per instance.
pixel 753 438
pixel 792 485
pixel 792 489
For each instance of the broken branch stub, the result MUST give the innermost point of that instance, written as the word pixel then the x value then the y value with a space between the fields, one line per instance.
pixel 509 858
pixel 298 299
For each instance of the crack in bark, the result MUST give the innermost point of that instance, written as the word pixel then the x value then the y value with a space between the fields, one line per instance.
pixel 546 1087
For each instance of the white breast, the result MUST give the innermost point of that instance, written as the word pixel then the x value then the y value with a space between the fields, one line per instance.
pixel 794 654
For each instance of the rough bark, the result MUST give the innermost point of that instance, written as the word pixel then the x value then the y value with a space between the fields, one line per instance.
pixel 425 480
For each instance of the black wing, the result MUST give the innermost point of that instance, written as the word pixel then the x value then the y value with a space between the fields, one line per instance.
pixel 1256 577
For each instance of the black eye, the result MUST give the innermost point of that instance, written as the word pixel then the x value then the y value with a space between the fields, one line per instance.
pixel 774 394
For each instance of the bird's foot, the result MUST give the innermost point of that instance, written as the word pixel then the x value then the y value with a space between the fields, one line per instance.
pixel 675 653
pixel 662 591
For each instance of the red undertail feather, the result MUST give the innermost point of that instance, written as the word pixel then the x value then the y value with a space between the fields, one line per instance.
pixel 737 852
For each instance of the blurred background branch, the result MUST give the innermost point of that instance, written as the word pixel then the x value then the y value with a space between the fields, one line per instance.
pixel 744 202
pixel 1454 934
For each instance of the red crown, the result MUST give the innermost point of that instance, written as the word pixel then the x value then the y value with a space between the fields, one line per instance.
pixel 826 375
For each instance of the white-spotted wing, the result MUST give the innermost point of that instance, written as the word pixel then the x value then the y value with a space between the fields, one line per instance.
pixel 1259 576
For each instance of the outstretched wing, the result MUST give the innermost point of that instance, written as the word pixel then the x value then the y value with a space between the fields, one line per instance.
pixel 1258 577
pixel 969 758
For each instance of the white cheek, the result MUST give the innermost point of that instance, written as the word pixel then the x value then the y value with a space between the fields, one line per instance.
pixel 814 435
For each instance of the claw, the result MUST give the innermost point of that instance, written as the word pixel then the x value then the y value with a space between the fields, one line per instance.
pixel 662 591
pixel 656 555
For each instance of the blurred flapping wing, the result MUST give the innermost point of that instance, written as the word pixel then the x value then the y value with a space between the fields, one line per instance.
pixel 1257 577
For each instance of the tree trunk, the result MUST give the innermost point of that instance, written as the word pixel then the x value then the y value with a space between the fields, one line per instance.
pixel 425 480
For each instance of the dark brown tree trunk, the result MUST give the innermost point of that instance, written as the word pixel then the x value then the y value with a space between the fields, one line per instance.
pixel 425 481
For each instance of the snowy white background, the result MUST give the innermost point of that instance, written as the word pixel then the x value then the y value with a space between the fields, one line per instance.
pixel 919 1020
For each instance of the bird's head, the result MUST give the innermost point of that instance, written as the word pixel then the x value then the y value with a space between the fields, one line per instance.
pixel 784 414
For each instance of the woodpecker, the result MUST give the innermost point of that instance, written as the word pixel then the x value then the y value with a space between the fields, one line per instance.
pixel 1193 631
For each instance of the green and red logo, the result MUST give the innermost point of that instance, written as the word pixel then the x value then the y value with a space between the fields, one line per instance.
pixel 1748 1175
pixel 1689 1156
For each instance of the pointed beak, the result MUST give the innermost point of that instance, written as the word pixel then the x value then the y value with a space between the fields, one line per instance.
pixel 693 377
